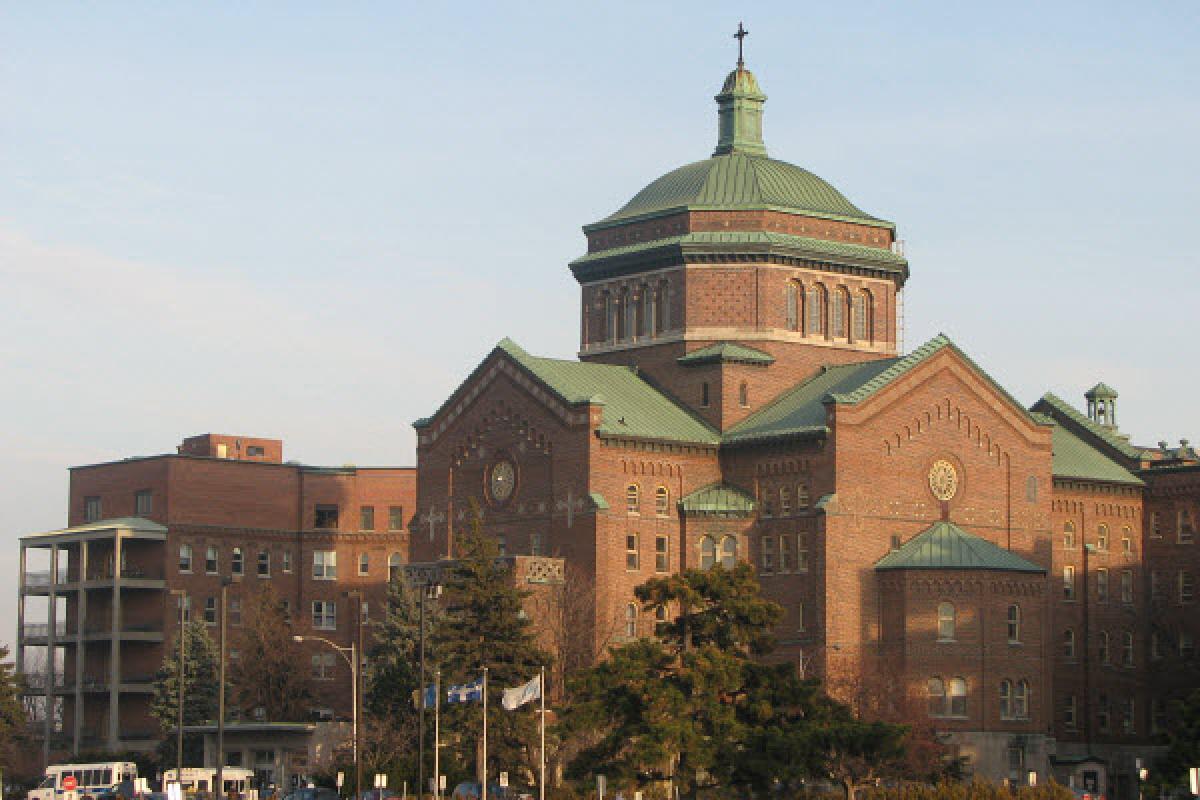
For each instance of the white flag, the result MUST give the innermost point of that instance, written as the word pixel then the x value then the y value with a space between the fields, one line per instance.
pixel 515 698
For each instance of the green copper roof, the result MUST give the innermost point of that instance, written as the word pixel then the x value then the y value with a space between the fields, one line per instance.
pixel 1100 390
pixel 598 501
pixel 1075 458
pixel 739 181
pixel 632 407
pixel 725 352
pixel 719 499
pixel 1064 413
pixel 726 242
pixel 944 545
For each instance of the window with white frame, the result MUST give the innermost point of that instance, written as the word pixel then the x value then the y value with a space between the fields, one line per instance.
pixel 1014 624
pixel 324 565
pixel 631 551
pixel 185 558
pixel 802 552
pixel 1068 537
pixel 364 564
pixel 1127 586
pixel 662 501
pixel 632 499
pixel 1127 649
pixel 264 563
pixel 236 565
pixel 708 552
pixel 785 501
pixel 787 553
pixel 1068 649
pixel 1068 582
pixel 323 666
pixel 91 509
pixel 210 611
pixel 662 553
pixel 631 615
pixel 1102 538
pixel 1102 585
pixel 728 552
pixel 945 622
pixel 235 611
pixel 285 561
pixel 211 564
pixel 143 502
pixel 395 566
pixel 767 562
pixel 1187 587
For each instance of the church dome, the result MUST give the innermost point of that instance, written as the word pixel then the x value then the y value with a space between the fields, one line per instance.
pixel 740 176
pixel 737 182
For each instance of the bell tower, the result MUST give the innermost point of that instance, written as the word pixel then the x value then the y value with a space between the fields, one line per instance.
pixel 724 273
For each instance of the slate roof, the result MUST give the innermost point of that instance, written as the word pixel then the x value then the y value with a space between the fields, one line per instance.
pixel 1075 458
pixel 725 352
pixel 632 407
pixel 719 499
pixel 740 181
pixel 944 545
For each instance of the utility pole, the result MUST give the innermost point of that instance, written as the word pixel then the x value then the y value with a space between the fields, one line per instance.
pixel 179 683
pixel 432 591
pixel 219 789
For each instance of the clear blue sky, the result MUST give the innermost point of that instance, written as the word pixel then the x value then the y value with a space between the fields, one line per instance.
pixel 311 221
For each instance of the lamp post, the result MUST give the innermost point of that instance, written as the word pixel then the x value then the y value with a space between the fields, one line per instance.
pixel 179 678
pixel 431 591
pixel 351 655
pixel 219 788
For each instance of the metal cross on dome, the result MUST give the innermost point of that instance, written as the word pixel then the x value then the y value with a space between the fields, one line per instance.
pixel 741 34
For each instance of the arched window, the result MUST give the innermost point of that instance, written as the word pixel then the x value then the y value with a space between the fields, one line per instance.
pixel 861 313
pixel 662 501
pixel 936 690
pixel 662 307
pixel 395 566
pixel 708 552
pixel 1102 647
pixel 1006 691
pixel 1127 541
pixel 814 311
pixel 839 308
pixel 1069 644
pixel 1014 624
pixel 1102 538
pixel 728 552
pixel 744 395
pixel 610 318
pixel 795 305
pixel 632 498
pixel 1068 536
pixel 945 622
pixel 630 312
pixel 647 320
pixel 958 697
pixel 631 615
pixel 1020 700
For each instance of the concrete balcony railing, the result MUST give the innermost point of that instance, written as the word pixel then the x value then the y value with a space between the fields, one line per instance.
pixel 129 573
pixel 39 680
pixel 41 630
pixel 37 579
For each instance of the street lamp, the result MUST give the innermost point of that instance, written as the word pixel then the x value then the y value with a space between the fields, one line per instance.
pixel 351 655
pixel 432 591
pixel 181 672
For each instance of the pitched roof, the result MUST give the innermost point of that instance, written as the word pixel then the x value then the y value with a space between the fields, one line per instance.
pixel 720 499
pixel 730 352
pixel 632 407
pixel 944 545
pixel 1075 458
pixel 801 410
pixel 1064 412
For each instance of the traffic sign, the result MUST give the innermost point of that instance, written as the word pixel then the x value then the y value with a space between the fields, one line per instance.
pixel 69 783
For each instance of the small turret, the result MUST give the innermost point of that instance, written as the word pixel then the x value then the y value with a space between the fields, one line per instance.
pixel 740 108
pixel 1102 405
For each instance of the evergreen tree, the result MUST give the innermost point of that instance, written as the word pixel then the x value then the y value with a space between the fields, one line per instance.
pixel 199 692
pixel 393 674
pixel 1183 746
pixel 266 674
pixel 483 625
pixel 14 721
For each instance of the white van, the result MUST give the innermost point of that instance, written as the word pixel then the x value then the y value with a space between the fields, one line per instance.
pixel 201 779
pixel 91 780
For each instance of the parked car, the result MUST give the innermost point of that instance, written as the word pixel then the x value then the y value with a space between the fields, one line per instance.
pixel 312 793
pixel 470 791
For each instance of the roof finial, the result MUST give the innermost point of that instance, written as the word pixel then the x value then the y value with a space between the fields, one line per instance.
pixel 741 34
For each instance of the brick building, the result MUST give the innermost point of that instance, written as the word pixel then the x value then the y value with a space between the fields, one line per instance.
pixel 1022 576
pixel 221 508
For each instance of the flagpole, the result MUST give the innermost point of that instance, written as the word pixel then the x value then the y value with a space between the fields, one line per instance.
pixel 483 791
pixel 437 733
pixel 542 749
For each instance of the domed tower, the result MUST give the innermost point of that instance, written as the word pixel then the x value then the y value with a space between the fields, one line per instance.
pixel 729 280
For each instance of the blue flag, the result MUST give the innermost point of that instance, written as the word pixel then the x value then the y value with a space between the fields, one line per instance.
pixel 430 697
pixel 466 693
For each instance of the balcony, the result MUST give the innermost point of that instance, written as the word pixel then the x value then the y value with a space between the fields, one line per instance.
pixel 39 632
